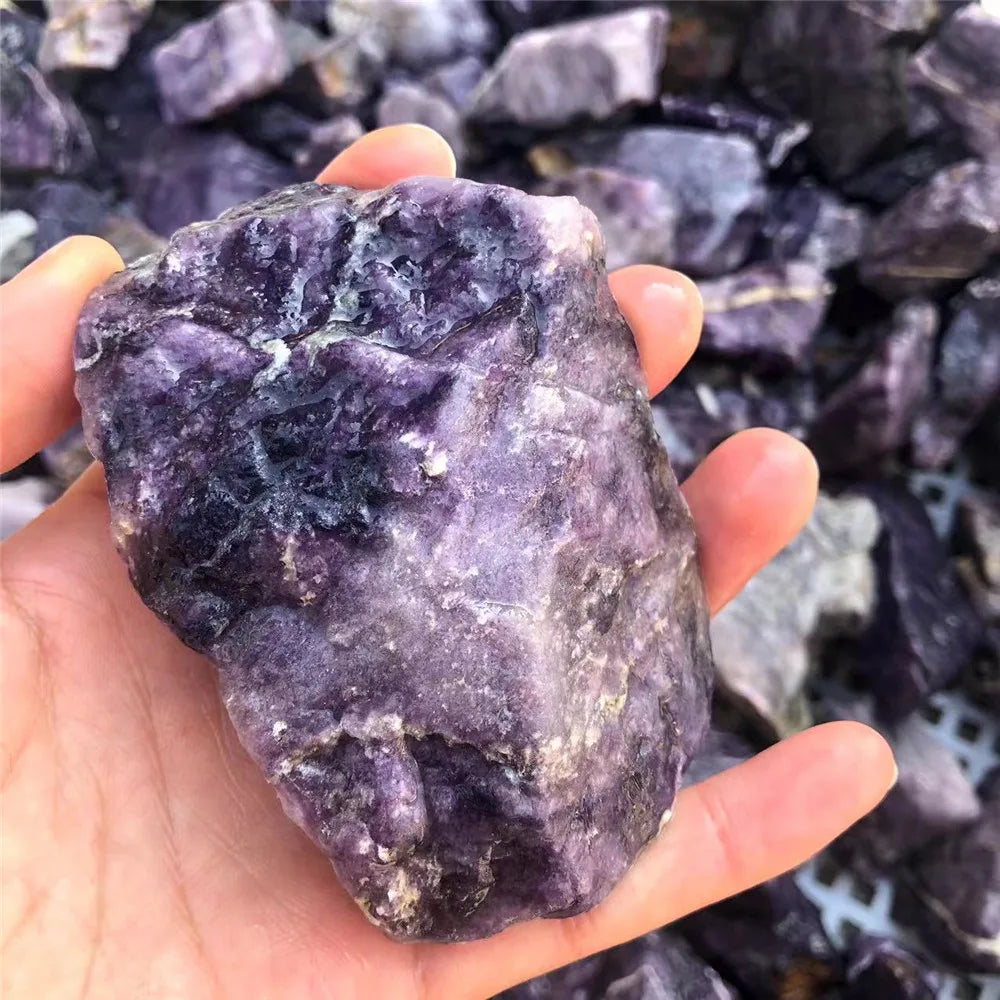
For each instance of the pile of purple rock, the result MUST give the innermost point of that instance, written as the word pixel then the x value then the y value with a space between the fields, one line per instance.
pixel 828 172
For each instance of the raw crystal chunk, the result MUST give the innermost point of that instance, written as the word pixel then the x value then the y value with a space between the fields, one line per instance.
pixel 387 458
pixel 766 313
pixel 880 968
pixel 871 414
pixel 81 34
pixel 960 70
pixel 967 374
pixel 941 232
pixel 659 966
pixel 768 942
pixel 415 34
pixel 764 641
pixel 185 176
pixel 955 901
pixel 43 131
pixel 925 630
pixel 776 137
pixel 638 217
pixel 931 798
pixel 582 71
pixel 238 52
pixel 692 416
pixel 811 224
pixel 838 65
pixel 66 208
pixel 716 181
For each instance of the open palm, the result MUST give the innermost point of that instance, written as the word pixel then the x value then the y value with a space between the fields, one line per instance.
pixel 144 855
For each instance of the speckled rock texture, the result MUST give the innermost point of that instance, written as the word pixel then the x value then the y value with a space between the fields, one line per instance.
pixel 387 458
pixel 580 71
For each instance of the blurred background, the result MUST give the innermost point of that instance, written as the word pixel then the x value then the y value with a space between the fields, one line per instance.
pixel 829 173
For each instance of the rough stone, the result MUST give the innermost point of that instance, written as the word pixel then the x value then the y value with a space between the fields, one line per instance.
pixel 306 142
pixel 387 458
pixel 81 34
pixel 839 66
pixel 764 642
pixel 43 131
pixel 766 314
pixel 692 416
pixel 456 81
pixel 210 66
pixel 775 137
pixel 809 223
pixel 582 71
pixel 960 71
pixel 925 630
pixel 185 176
pixel 967 374
pixel 881 968
pixel 659 966
pixel 415 34
pixel 638 217
pixel 955 891
pixel 979 532
pixel 942 232
pixel 716 181
pixel 66 208
pixel 768 942
pixel 931 798
pixel 871 414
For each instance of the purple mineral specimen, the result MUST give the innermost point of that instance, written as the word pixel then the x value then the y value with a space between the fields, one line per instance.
pixel 811 224
pixel 185 176
pixel 839 66
pixel 766 314
pixel 925 629
pixel 210 66
pixel 871 413
pixel 81 34
pixel 942 232
pixel 387 458
pixel 414 34
pixel 967 374
pixel 638 217
pixel 716 181
pixel 960 71
pixel 692 416
pixel 769 942
pixel 43 131
pixel 955 891
pixel 582 71
pixel 880 969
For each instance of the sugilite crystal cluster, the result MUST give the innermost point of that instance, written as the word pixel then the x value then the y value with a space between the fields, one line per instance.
pixel 388 459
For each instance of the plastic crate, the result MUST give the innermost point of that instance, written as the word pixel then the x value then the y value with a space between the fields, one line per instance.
pixel 849 904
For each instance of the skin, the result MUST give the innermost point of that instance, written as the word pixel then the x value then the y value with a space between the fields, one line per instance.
pixel 143 854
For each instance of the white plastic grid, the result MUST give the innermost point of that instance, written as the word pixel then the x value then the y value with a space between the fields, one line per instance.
pixel 849 903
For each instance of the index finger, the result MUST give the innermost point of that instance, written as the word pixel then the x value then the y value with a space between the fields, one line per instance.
pixel 38 312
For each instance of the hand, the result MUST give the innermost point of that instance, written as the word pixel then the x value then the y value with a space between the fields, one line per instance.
pixel 144 854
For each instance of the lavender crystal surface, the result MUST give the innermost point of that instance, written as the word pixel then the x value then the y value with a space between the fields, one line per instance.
pixel 394 471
